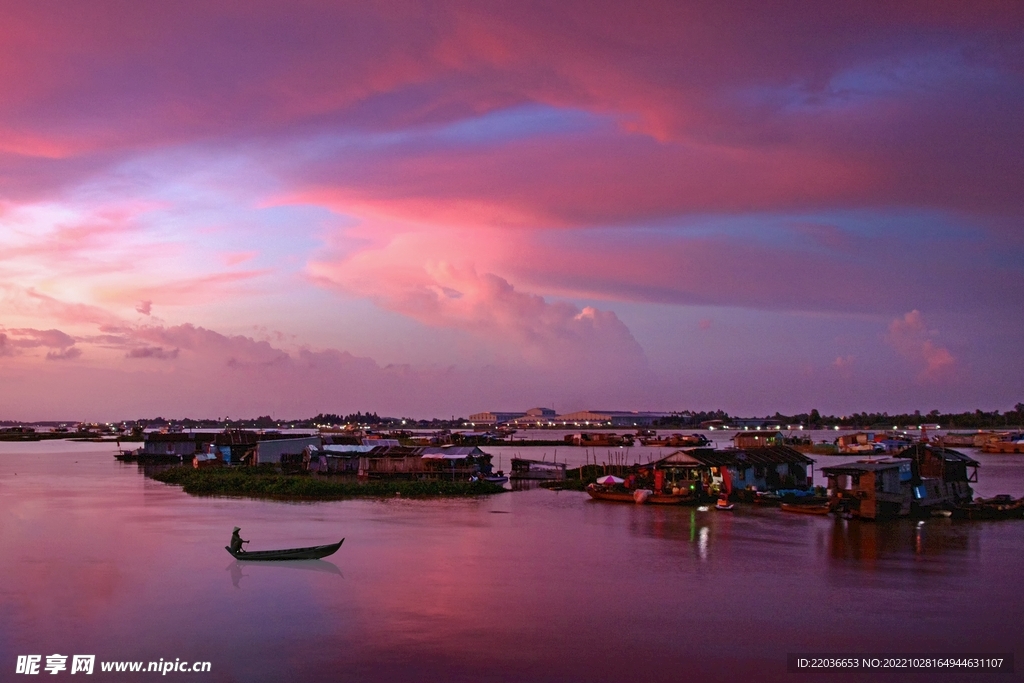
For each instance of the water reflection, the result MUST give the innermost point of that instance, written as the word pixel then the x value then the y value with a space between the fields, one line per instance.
pixel 323 566
pixel 873 542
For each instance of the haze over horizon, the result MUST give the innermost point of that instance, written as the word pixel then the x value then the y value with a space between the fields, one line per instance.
pixel 439 209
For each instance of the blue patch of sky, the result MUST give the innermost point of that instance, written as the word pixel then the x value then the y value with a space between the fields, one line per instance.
pixel 495 127
pixel 913 74
pixel 518 123
pixel 211 202
pixel 789 229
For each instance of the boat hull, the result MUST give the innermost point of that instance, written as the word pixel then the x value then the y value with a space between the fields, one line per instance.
pixel 669 499
pixel 614 496
pixel 311 553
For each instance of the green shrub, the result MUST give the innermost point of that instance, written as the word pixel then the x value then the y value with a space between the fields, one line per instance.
pixel 269 483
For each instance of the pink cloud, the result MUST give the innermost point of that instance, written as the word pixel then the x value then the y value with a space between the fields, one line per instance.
pixel 216 374
pixel 64 354
pixel 769 99
pixel 183 291
pixel 44 306
pixel 909 336
pixel 155 352
pixel 54 339
pixel 521 324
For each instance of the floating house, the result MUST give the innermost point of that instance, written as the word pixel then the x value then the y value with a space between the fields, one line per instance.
pixel 232 445
pixel 588 440
pixel 764 469
pixel 424 462
pixel 335 458
pixel 275 451
pixel 942 477
pixel 859 442
pixel 871 489
pixel 923 478
pixel 168 445
pixel 756 439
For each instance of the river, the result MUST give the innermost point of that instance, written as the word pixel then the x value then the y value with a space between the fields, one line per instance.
pixel 525 586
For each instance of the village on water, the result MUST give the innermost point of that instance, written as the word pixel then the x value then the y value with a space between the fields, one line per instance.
pixel 872 474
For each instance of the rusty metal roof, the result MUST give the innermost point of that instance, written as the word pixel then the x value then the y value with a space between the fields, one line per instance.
pixel 768 455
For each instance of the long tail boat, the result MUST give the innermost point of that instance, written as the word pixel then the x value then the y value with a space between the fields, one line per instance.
pixel 311 553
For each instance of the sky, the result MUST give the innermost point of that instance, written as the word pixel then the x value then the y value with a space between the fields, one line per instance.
pixel 428 209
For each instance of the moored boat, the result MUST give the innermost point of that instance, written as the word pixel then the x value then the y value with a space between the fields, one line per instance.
pixel 311 553
pixel 599 492
pixel 672 499
pixel 997 507
pixel 1008 443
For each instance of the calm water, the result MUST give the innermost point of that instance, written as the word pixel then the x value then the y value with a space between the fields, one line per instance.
pixel 525 586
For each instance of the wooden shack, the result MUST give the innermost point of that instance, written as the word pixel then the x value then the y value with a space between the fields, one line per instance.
pixel 168 445
pixel 942 477
pixel 871 489
pixel 424 462
pixel 756 439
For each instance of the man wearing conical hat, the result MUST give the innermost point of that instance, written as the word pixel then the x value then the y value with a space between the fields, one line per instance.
pixel 236 540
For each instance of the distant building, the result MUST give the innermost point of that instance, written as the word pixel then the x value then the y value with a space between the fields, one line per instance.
pixel 493 418
pixel 535 416
pixel 612 418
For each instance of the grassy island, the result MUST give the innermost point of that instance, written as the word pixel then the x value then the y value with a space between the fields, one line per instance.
pixel 258 482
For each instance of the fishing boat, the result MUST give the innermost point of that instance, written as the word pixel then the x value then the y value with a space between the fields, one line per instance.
pixel 997 507
pixel 806 509
pixel 311 553
pixel 599 492
pixel 672 499
pixel 495 478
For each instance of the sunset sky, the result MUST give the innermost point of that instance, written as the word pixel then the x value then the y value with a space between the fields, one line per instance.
pixel 424 209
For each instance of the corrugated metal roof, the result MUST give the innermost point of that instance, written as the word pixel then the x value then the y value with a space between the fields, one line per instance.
pixel 769 455
pixel 863 466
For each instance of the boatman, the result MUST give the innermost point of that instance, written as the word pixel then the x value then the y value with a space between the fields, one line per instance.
pixel 236 540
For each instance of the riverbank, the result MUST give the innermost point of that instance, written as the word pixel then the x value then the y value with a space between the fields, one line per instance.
pixel 260 483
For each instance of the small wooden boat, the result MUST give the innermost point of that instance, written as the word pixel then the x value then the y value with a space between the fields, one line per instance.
pixel 598 492
pixel 672 499
pixel 311 553
pixel 806 509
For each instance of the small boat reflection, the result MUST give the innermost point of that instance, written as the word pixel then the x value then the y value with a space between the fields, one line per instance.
pixel 322 566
